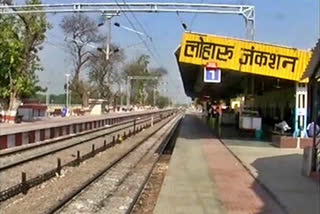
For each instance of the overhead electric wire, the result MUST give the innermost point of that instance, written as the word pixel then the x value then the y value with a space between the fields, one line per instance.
pixel 61 46
pixel 144 31
pixel 141 26
pixel 144 42
pixel 56 45
pixel 181 21
pixel 194 16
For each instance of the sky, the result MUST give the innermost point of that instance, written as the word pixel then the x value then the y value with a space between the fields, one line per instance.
pixel 293 23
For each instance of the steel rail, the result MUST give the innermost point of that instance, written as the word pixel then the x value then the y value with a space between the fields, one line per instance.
pixel 66 137
pixel 161 150
pixel 130 4
pixel 11 165
pixel 247 11
pixel 77 191
pixel 118 11
pixel 24 187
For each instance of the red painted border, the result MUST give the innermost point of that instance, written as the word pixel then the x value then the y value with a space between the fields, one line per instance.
pixel 3 141
pixel 42 134
pixel 18 139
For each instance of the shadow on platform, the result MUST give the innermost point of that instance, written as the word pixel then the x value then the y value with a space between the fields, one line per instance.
pixel 278 186
pixel 193 133
pixel 281 177
pixel 222 132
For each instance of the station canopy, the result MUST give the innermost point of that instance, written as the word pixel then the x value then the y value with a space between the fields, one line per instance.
pixel 314 63
pixel 237 59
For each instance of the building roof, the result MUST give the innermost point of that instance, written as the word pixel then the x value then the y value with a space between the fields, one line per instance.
pixel 314 62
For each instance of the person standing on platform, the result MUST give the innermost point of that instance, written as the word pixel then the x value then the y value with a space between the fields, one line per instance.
pixel 214 115
pixel 219 113
pixel 208 112
pixel 237 112
pixel 310 129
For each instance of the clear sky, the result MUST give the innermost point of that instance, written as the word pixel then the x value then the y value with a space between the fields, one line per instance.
pixel 286 22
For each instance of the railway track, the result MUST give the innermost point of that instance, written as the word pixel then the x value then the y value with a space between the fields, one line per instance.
pixel 20 157
pixel 22 152
pixel 45 196
pixel 70 152
pixel 129 172
pixel 75 130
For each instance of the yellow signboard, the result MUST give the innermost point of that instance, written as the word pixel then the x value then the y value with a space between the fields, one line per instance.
pixel 244 56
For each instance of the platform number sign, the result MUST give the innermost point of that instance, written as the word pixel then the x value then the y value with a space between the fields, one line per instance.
pixel 212 74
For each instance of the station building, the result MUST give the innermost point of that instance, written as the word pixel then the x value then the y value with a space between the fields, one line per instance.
pixel 265 79
pixel 264 84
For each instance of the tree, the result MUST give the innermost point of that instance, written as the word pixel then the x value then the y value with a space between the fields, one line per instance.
pixel 104 73
pixel 80 31
pixel 161 71
pixel 21 37
pixel 152 87
pixel 55 98
pixel 142 90
pixel 163 102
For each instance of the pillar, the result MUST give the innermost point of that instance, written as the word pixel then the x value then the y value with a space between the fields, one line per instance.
pixel 301 110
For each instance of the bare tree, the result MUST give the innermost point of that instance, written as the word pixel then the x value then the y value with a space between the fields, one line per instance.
pixel 104 73
pixel 80 31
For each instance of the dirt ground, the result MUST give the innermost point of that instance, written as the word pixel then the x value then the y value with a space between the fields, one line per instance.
pixel 149 196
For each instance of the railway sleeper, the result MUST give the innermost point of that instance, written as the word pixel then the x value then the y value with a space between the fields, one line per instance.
pixel 26 184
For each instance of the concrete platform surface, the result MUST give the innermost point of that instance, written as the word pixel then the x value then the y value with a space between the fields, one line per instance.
pixel 204 177
pixel 279 170
pixel 48 122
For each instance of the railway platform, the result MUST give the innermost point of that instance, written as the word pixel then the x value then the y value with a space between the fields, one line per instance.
pixel 8 128
pixel 13 136
pixel 230 175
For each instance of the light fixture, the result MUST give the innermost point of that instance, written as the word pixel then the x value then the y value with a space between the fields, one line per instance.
pixel 103 51
pixel 117 24
pixel 184 26
pixel 278 84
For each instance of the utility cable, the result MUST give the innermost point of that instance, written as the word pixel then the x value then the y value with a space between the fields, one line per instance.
pixel 194 16
pixel 181 21
pixel 144 42
pixel 56 45
pixel 60 46
pixel 144 31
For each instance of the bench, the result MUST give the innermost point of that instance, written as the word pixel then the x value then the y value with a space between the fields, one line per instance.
pixel 280 133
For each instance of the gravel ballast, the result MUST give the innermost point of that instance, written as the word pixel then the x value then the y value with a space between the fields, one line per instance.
pixel 115 191
pixel 40 199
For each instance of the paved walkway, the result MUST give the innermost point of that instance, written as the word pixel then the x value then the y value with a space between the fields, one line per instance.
pixel 204 177
pixel 279 170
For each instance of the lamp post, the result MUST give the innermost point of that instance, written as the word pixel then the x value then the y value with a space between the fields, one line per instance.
pixel 47 97
pixel 128 92
pixel 108 37
pixel 107 53
pixel 108 40
pixel 67 94
pixel 121 97
pixel 154 96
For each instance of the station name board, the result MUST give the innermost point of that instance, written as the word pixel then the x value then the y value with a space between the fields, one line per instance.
pixel 244 56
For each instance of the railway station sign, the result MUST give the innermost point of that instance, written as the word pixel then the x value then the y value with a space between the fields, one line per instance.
pixel 212 74
pixel 244 56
